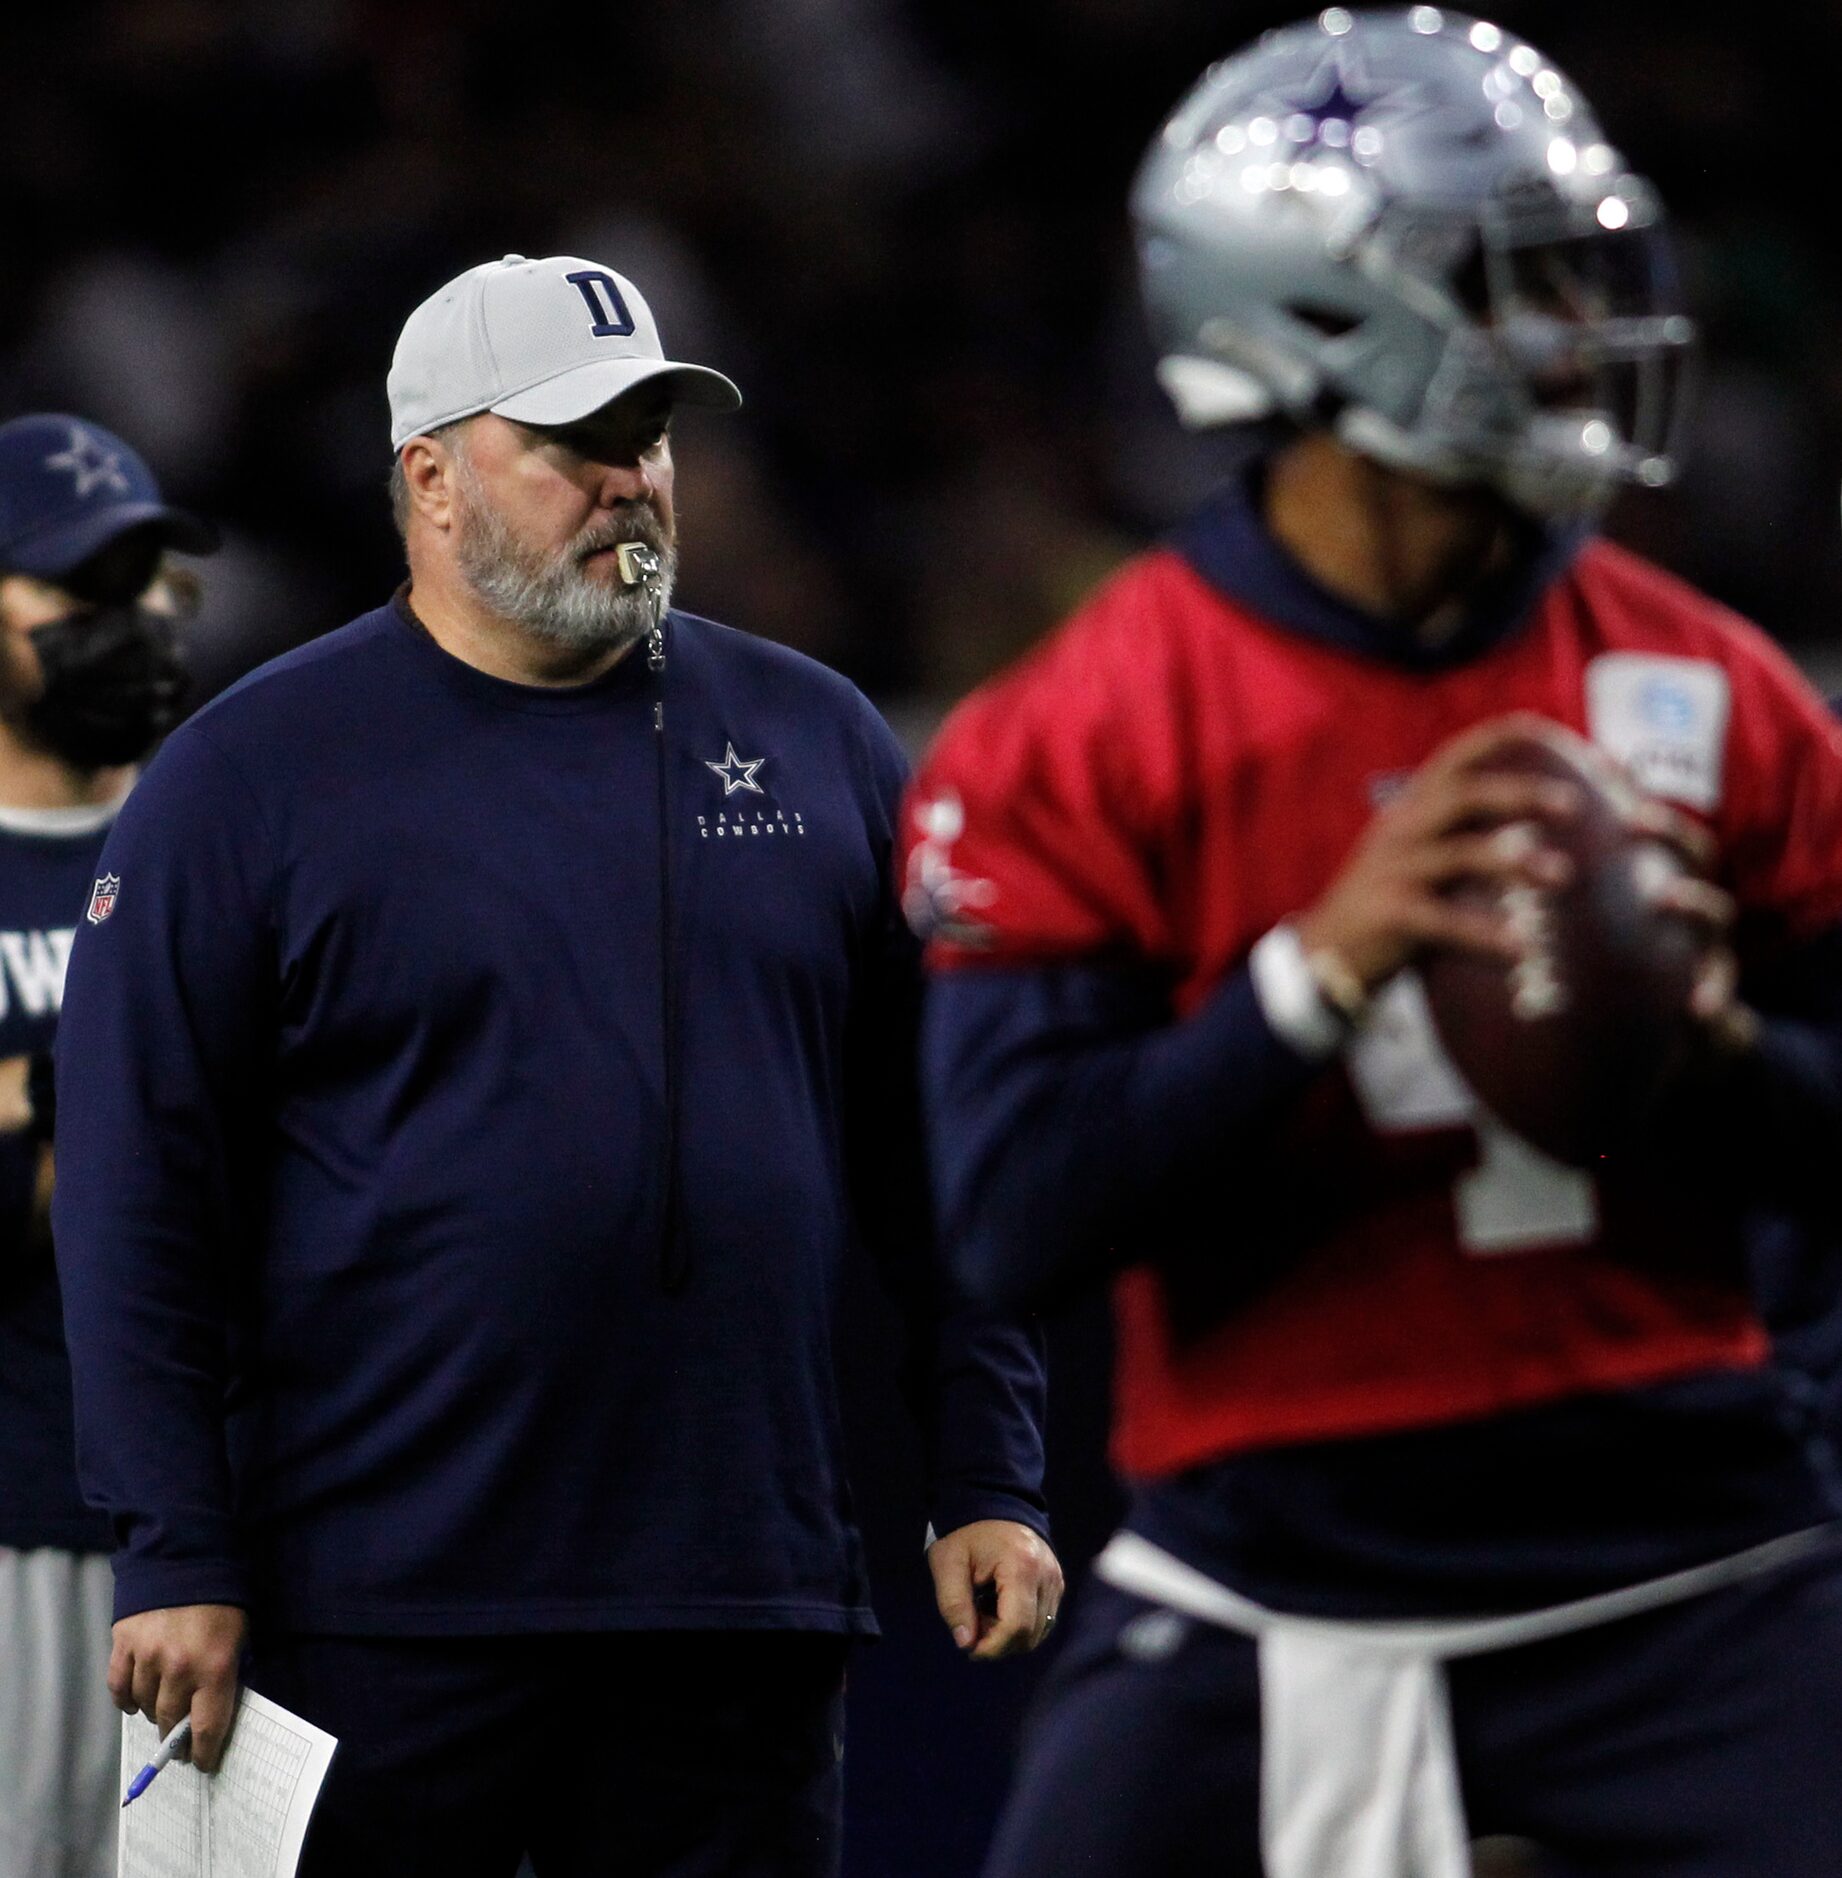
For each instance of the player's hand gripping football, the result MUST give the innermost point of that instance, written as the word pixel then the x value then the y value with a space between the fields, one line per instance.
pixel 1714 1003
pixel 1458 820
pixel 1452 820
pixel 998 1587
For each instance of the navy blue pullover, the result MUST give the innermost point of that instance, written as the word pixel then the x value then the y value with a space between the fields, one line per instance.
pixel 463 1116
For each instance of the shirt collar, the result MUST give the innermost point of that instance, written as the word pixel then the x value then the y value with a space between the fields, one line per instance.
pixel 1227 542
pixel 86 818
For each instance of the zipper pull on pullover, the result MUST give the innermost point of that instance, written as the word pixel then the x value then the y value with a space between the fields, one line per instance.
pixel 674 1255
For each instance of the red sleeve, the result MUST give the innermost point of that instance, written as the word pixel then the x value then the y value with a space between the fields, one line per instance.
pixel 1781 825
pixel 1028 831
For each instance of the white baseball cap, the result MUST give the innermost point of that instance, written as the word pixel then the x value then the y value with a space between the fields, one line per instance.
pixel 545 342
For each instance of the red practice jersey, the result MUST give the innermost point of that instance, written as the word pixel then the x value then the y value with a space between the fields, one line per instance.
pixel 1172 774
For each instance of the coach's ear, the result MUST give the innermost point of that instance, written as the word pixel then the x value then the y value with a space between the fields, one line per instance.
pixel 427 466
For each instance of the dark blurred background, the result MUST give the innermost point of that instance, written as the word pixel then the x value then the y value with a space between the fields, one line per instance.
pixel 899 224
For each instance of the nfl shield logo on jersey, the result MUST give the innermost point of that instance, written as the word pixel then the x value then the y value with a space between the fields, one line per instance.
pixel 102 901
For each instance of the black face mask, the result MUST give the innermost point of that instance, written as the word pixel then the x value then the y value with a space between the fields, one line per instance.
pixel 115 684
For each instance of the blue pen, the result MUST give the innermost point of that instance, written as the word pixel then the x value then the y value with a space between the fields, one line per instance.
pixel 181 1734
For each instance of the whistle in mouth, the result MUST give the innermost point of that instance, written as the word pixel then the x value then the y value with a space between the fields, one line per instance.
pixel 639 564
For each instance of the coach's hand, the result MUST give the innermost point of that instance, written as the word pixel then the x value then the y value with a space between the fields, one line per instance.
pixel 1452 820
pixel 1014 1569
pixel 172 1663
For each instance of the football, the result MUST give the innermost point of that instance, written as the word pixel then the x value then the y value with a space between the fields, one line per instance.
pixel 1567 1045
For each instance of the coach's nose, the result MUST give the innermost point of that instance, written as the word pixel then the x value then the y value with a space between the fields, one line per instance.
pixel 625 480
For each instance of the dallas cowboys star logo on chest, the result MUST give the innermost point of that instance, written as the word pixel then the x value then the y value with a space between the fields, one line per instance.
pixel 737 772
pixel 768 818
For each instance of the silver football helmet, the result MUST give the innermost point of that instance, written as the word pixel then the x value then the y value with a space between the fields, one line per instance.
pixel 1407 227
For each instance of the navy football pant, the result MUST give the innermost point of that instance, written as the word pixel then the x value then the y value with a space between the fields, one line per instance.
pixel 1699 1741
pixel 654 1755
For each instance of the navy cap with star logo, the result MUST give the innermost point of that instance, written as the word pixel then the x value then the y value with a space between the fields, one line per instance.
pixel 68 488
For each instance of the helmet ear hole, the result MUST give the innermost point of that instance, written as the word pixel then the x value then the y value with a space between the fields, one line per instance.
pixel 1470 281
pixel 1330 322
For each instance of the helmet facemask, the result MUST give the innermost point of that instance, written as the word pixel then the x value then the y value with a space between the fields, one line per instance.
pixel 1564 355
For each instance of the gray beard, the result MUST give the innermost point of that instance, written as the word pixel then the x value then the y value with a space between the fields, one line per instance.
pixel 556 599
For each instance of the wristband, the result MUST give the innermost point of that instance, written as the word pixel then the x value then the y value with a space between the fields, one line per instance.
pixel 1340 986
pixel 1306 999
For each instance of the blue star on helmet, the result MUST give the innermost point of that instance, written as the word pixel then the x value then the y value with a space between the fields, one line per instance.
pixel 90 465
pixel 1343 102
pixel 1335 107
pixel 737 772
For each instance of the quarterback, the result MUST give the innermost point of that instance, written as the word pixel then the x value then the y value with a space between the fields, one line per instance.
pixel 1468 1498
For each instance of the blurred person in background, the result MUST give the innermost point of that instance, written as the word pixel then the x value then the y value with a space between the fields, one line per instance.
pixel 1469 1499
pixel 90 678
pixel 501 1030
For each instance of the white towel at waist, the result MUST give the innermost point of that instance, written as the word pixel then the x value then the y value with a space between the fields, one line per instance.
pixel 1358 1778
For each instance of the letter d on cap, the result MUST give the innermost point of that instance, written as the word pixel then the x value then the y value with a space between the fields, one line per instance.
pixel 612 320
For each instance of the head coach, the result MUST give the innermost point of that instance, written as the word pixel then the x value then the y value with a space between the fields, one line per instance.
pixel 500 1034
